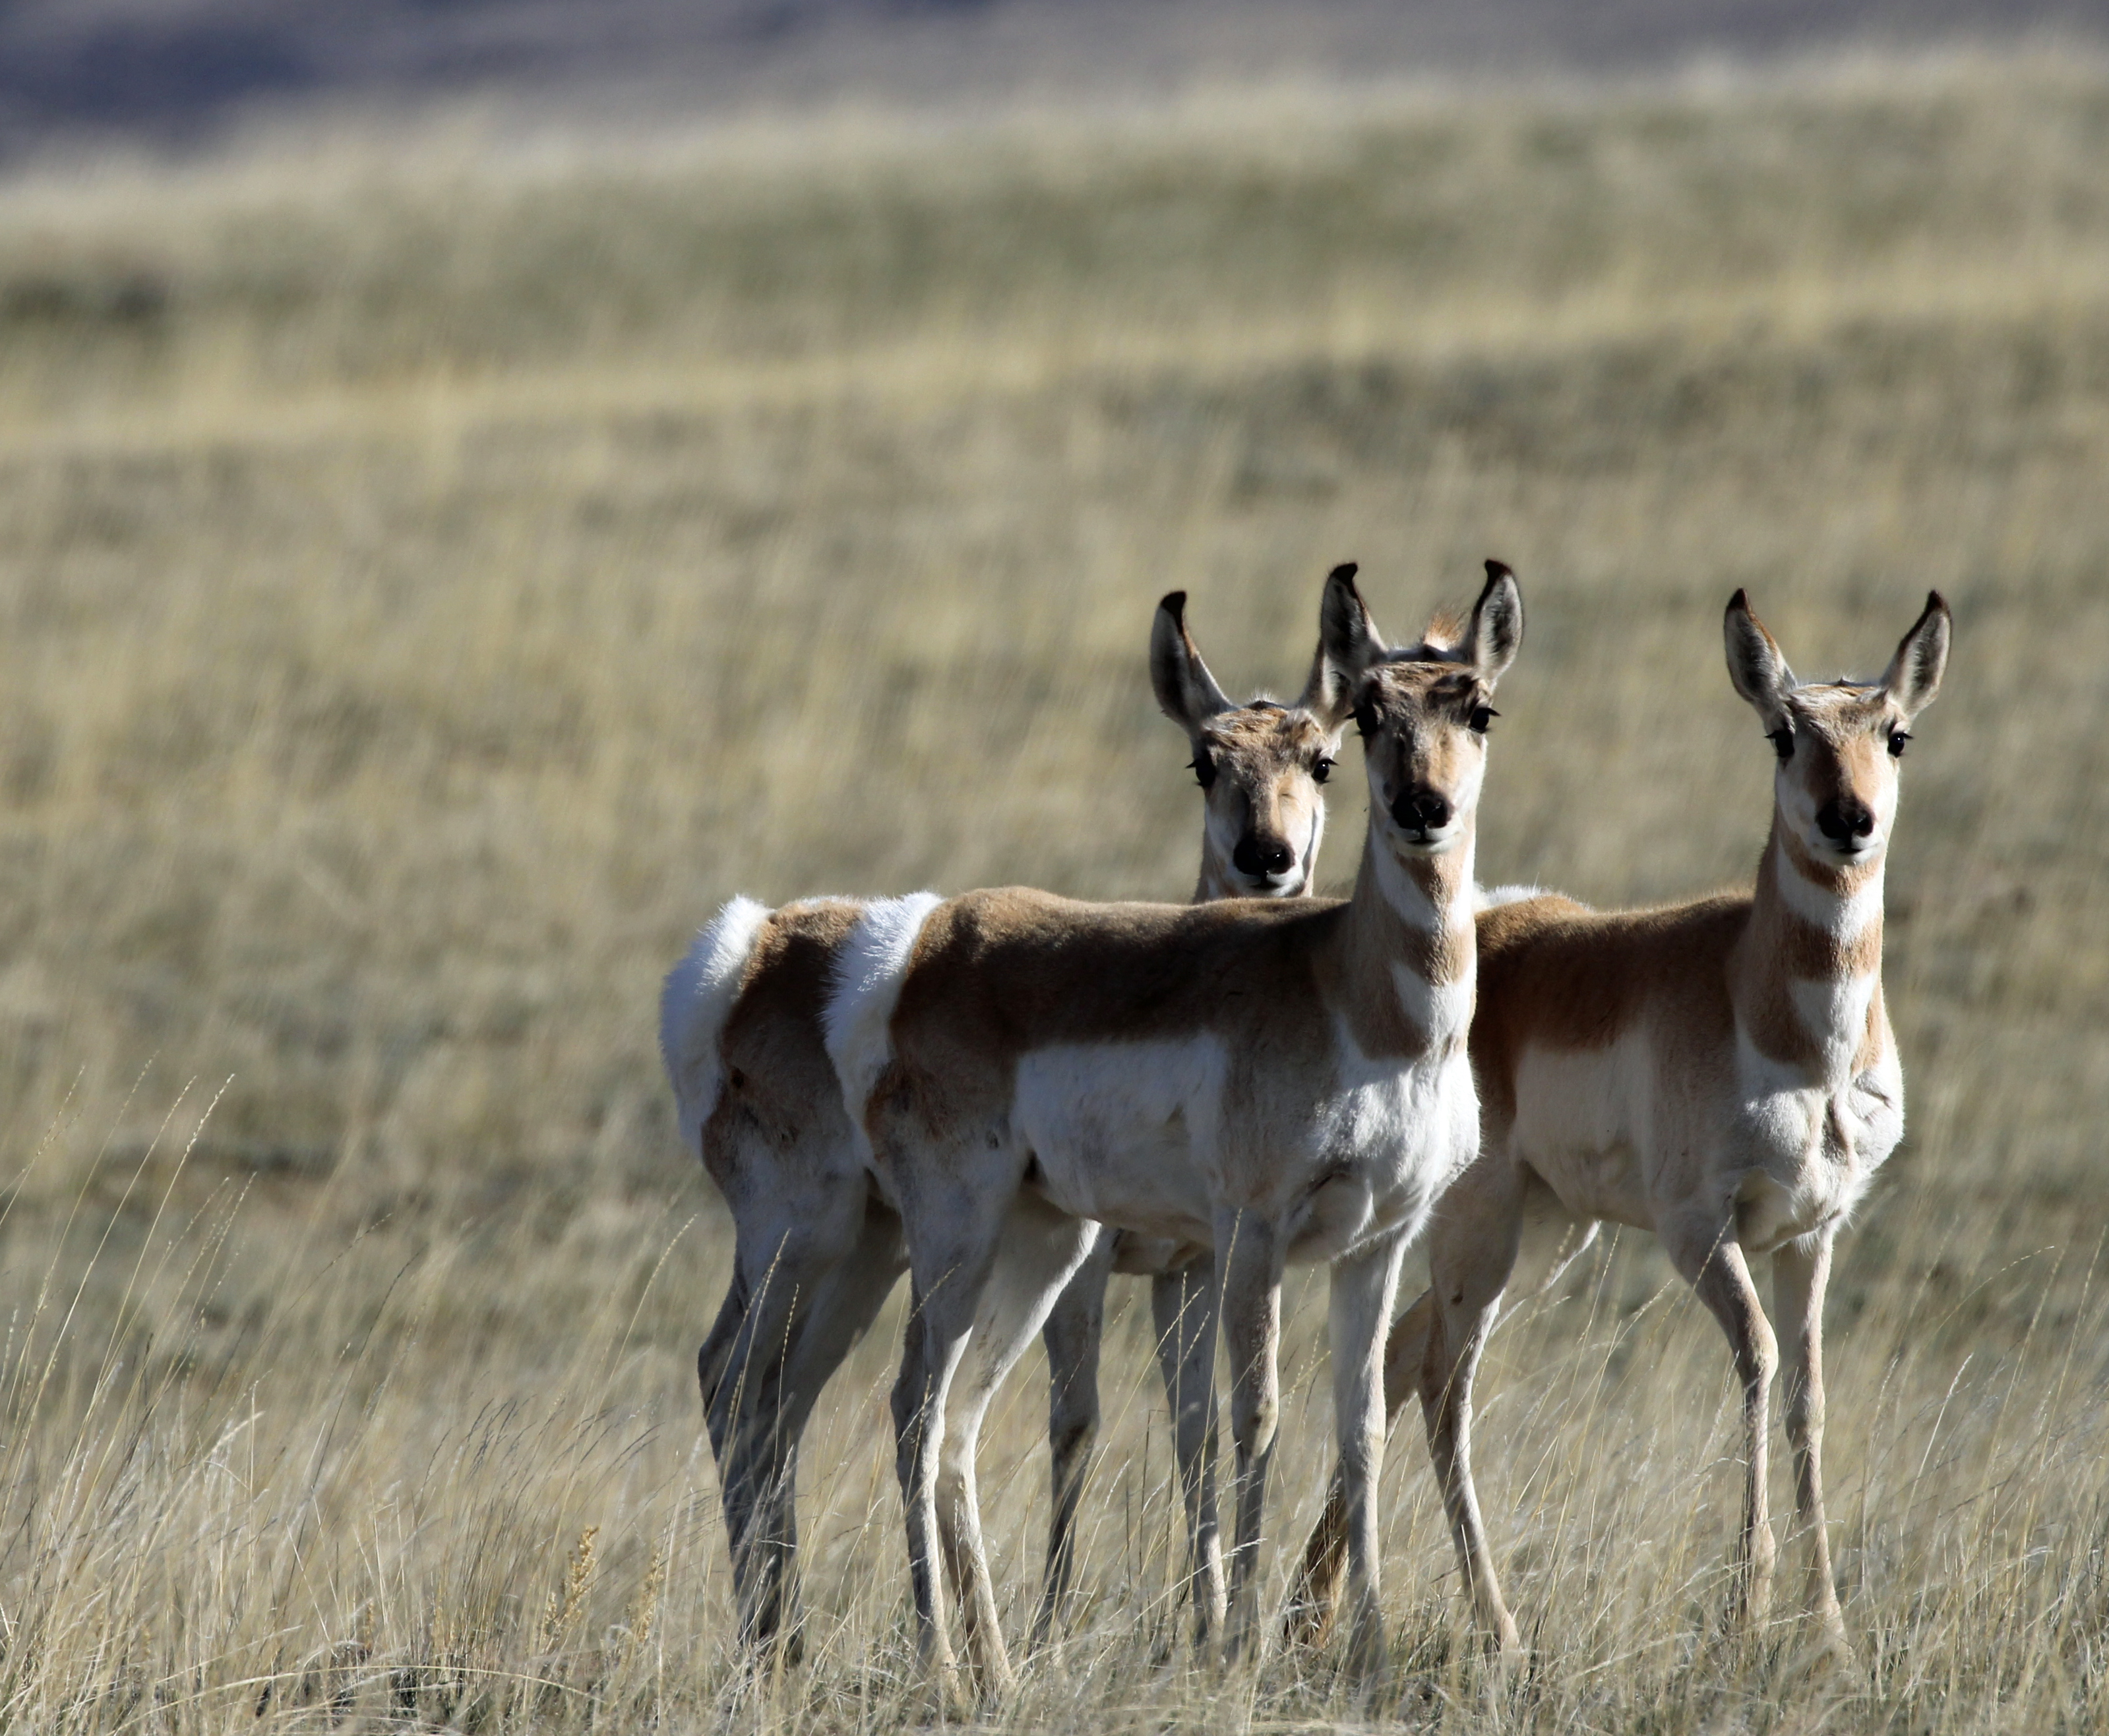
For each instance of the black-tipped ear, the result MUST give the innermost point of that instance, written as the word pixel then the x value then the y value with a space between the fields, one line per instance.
pixel 1755 664
pixel 1348 643
pixel 1914 673
pixel 1184 689
pixel 1496 633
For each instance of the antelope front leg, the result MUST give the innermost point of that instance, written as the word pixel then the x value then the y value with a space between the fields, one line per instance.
pixel 1182 1304
pixel 1037 1256
pixel 1363 1287
pixel 1249 1265
pixel 1314 1603
pixel 1800 1274
pixel 1712 1260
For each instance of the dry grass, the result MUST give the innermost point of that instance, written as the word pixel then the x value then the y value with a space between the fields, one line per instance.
pixel 431 583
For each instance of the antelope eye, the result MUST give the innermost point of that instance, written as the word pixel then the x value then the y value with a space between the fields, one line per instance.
pixel 1482 715
pixel 1321 771
pixel 1204 768
pixel 1782 741
pixel 1898 737
pixel 1366 720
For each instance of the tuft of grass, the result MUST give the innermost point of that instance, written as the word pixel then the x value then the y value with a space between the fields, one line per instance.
pixel 428 589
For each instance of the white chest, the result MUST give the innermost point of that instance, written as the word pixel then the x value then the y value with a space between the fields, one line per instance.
pixel 1388 1139
pixel 1807 1150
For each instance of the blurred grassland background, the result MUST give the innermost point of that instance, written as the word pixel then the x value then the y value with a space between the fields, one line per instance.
pixel 435 572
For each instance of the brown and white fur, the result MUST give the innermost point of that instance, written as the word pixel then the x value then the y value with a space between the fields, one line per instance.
pixel 817 1246
pixel 1722 1073
pixel 1270 1080
pixel 1260 767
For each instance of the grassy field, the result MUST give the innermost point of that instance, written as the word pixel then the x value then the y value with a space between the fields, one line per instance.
pixel 433 574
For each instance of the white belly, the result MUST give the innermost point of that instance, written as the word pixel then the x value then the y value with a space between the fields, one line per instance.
pixel 1581 1124
pixel 1113 1127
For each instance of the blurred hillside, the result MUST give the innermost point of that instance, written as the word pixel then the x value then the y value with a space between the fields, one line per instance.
pixel 165 70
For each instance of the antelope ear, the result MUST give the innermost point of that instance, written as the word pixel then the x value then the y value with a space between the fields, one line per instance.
pixel 1186 690
pixel 1496 633
pixel 1913 676
pixel 1348 644
pixel 1760 674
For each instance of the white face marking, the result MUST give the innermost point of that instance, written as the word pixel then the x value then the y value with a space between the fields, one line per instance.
pixel 1219 843
pixel 1463 803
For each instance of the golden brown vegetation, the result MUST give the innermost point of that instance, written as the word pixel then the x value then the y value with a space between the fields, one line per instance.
pixel 430 584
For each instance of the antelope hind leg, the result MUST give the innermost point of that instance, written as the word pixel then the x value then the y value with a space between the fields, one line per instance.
pixel 1182 1306
pixel 1072 1334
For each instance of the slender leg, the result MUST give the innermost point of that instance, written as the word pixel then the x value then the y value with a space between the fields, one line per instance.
pixel 1249 1265
pixel 716 1356
pixel 744 1392
pixel 1072 1335
pixel 1182 1305
pixel 952 1237
pixel 1038 1253
pixel 1800 1274
pixel 1472 1250
pixel 1711 1260
pixel 1363 1288
pixel 1313 1604
pixel 845 1298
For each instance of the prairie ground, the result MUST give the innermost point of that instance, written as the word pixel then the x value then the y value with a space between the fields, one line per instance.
pixel 433 573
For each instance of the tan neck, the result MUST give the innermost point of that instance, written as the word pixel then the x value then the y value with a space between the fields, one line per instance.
pixel 1808 969
pixel 1411 914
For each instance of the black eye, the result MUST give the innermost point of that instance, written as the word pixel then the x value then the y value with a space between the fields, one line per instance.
pixel 1204 768
pixel 1321 771
pixel 1898 737
pixel 1366 720
pixel 1482 715
pixel 1782 741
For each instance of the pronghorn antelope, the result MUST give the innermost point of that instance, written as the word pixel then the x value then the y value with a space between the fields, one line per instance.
pixel 817 1246
pixel 1722 1073
pixel 1270 1080
pixel 1260 767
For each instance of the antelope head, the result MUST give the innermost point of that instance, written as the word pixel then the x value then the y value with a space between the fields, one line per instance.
pixel 1835 787
pixel 1423 709
pixel 1260 766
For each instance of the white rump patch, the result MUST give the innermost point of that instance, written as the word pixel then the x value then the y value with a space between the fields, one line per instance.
pixel 869 971
pixel 1492 898
pixel 693 1006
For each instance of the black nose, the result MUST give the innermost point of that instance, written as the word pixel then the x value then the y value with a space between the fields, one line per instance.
pixel 1844 819
pixel 1420 810
pixel 1257 856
